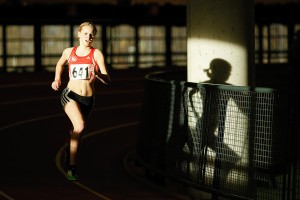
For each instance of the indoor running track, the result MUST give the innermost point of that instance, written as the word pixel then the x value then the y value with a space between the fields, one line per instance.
pixel 33 130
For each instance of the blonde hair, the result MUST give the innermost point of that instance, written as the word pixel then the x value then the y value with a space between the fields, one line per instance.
pixel 91 24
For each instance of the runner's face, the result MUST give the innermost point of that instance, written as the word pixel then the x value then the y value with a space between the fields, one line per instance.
pixel 86 35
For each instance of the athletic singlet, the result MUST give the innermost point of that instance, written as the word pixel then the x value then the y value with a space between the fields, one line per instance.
pixel 82 67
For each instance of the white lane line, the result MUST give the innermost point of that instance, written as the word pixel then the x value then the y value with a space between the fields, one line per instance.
pixel 24 84
pixel 61 151
pixel 57 97
pixel 6 196
pixel 49 83
pixel 58 157
pixel 92 133
pixel 62 114
pixel 28 121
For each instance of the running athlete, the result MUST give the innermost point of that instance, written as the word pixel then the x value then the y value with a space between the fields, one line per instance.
pixel 85 65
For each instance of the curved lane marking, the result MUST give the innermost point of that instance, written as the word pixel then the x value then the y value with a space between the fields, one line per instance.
pixel 61 151
pixel 29 84
pixel 92 133
pixel 62 114
pixel 57 97
pixel 5 196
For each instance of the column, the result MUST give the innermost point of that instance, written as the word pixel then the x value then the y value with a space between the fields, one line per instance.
pixel 221 31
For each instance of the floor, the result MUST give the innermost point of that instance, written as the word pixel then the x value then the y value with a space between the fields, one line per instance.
pixel 34 129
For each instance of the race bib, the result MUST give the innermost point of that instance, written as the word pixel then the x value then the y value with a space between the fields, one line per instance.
pixel 81 71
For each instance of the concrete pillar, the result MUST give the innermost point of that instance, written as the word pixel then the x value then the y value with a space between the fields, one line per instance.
pixel 221 51
pixel 221 32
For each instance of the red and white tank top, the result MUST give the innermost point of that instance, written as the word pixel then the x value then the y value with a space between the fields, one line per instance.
pixel 82 67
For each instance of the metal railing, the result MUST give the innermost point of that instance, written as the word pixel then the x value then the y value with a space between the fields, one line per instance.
pixel 230 141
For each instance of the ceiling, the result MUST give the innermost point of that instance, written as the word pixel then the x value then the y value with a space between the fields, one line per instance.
pixel 128 2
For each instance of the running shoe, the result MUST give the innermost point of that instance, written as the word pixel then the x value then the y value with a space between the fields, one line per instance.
pixel 72 174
